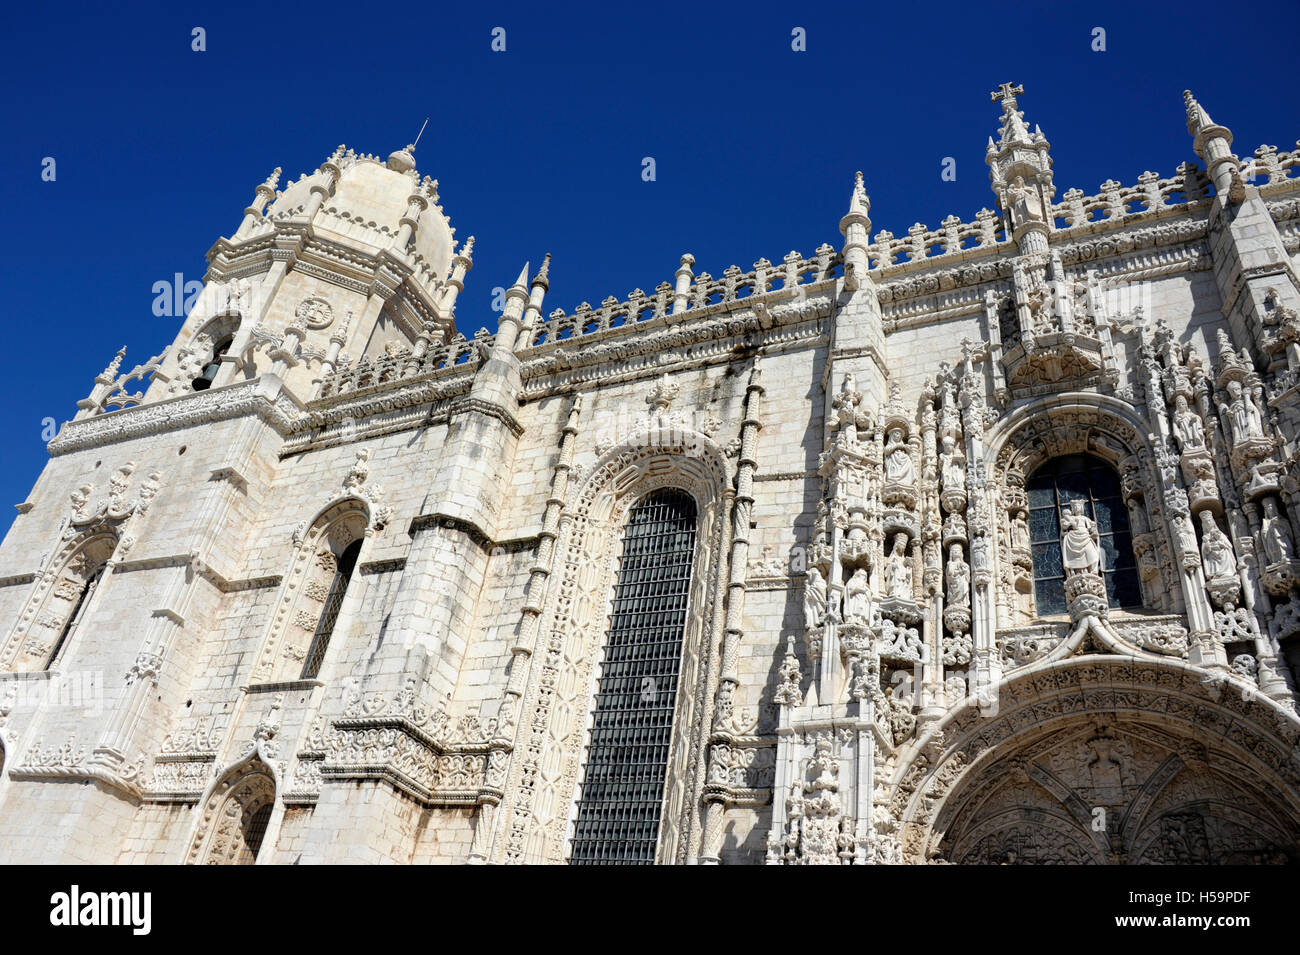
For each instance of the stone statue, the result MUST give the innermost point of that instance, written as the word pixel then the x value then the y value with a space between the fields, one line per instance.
pixel 898 461
pixel 1191 432
pixel 857 603
pixel 1023 202
pixel 1216 550
pixel 954 473
pixel 1020 532
pixel 958 578
pixel 1184 534
pixel 1080 544
pixel 898 578
pixel 814 599
pixel 1242 414
pixel 1278 544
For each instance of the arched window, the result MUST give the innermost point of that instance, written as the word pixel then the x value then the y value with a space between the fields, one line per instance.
pixel 627 755
pixel 209 373
pixel 232 828
pixel 330 612
pixel 1080 477
pixel 73 620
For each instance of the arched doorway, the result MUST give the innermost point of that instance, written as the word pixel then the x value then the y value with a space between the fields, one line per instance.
pixel 1100 760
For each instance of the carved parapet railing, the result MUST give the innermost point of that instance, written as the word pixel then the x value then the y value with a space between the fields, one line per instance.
pixel 923 243
pixel 402 365
pixel 1276 167
pixel 703 293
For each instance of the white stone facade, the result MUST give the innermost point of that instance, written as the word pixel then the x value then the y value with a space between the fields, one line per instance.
pixel 866 674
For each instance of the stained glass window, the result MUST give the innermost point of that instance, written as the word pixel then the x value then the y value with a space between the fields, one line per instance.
pixel 1080 477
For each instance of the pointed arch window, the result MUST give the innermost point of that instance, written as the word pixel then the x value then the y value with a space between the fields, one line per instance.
pixel 1080 477
pixel 347 562
pixel 209 373
pixel 73 621
pixel 622 795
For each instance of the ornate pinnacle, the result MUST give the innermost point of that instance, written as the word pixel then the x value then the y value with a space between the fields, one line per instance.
pixel 1197 117
pixel 467 250
pixel 341 332
pixel 110 373
pixel 543 275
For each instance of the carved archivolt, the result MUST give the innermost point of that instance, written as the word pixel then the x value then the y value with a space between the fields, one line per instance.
pixel 556 710
pixel 227 815
pixel 1105 760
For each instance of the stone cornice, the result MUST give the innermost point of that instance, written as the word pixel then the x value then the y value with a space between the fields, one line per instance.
pixel 264 397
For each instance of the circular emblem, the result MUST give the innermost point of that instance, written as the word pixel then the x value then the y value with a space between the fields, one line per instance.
pixel 314 313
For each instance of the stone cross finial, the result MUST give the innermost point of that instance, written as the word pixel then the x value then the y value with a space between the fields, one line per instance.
pixel 1007 91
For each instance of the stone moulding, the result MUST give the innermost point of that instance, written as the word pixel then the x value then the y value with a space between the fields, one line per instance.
pixel 262 397
pixel 397 751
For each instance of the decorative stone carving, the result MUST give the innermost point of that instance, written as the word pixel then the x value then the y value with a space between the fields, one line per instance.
pixel 314 313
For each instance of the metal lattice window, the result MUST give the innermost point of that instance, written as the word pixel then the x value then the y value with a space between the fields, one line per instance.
pixel 320 640
pixel 255 830
pixel 1080 477
pixel 627 757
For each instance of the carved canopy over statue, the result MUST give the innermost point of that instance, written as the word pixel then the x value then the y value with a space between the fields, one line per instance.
pixel 1080 542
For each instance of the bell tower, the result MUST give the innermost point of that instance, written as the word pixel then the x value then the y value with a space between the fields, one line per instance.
pixel 355 259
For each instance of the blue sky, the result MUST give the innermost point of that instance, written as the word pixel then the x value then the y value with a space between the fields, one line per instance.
pixel 539 148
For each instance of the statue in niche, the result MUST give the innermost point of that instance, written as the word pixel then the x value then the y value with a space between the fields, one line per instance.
pixel 898 460
pixel 857 601
pixel 1191 431
pixel 898 577
pixel 814 599
pixel 1278 545
pixel 1184 534
pixel 954 472
pixel 958 578
pixel 1023 202
pixel 1242 414
pixel 1080 543
pixel 1216 550
pixel 1020 532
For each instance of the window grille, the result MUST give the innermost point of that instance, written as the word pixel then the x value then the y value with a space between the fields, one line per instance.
pixel 627 757
pixel 330 613
pixel 1080 477
pixel 255 830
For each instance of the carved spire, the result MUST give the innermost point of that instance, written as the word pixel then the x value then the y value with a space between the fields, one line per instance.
pixel 542 277
pixel 859 206
pixel 1017 153
pixel 856 229
pixel 1213 143
pixel 109 374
